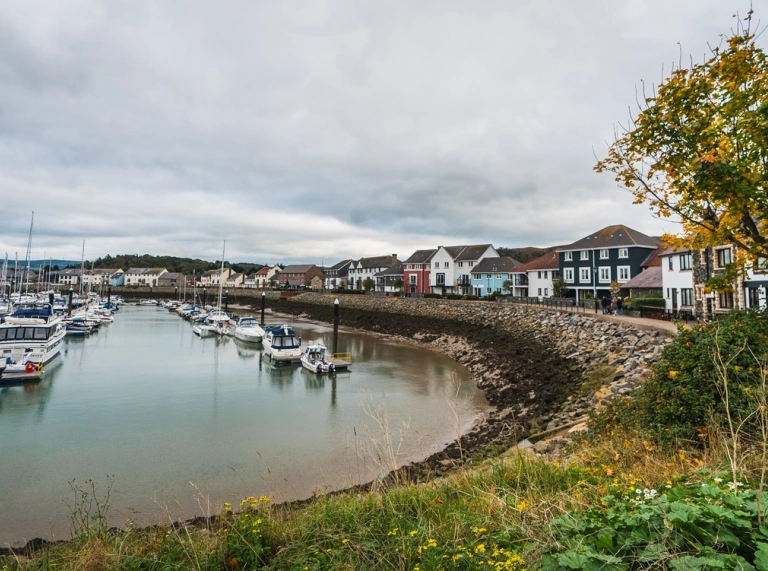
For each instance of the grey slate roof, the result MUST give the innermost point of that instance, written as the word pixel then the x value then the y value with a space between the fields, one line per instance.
pixel 421 256
pixel 462 253
pixel 496 265
pixel 396 270
pixel 377 261
pixel 297 269
pixel 340 265
pixel 650 278
pixel 613 237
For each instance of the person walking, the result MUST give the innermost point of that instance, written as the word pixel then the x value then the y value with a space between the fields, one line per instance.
pixel 605 304
pixel 619 304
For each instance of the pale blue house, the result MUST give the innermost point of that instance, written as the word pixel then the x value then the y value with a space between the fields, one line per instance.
pixel 490 274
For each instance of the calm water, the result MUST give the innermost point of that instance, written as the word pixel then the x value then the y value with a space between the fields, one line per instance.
pixel 182 423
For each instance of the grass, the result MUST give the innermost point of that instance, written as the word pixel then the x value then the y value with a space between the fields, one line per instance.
pixel 496 515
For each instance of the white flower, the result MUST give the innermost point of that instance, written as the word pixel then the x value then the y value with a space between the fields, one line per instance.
pixel 718 480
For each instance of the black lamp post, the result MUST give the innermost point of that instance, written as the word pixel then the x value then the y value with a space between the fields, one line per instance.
pixel 71 291
pixel 176 292
pixel 226 301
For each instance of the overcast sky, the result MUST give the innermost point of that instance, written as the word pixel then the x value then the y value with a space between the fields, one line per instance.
pixel 321 130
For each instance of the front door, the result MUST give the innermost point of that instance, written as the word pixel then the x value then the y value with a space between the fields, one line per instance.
pixel 674 299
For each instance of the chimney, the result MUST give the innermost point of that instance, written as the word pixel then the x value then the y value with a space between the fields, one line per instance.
pixel 394 259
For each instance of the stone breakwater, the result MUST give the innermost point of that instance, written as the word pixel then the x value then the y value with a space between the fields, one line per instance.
pixel 533 364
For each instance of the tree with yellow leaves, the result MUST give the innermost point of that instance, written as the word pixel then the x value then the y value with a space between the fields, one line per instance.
pixel 698 149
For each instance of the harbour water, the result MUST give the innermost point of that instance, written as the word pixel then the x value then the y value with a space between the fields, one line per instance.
pixel 178 424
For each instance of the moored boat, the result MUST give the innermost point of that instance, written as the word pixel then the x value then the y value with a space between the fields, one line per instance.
pixel 281 344
pixel 316 359
pixel 249 330
pixel 31 335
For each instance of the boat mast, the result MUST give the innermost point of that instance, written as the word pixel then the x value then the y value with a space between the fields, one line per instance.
pixel 221 274
pixel 5 277
pixel 82 269
pixel 29 252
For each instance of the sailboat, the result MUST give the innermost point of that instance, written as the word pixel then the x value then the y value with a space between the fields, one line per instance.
pixel 216 318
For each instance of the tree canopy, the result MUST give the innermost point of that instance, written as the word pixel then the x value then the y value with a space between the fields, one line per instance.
pixel 698 148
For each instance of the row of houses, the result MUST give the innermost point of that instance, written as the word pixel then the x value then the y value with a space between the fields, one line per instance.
pixel 590 267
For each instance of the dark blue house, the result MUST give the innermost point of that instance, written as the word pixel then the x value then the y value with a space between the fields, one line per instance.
pixel 613 254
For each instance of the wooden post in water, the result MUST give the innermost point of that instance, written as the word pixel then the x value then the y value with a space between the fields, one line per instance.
pixel 336 326
pixel 203 296
pixel 69 311
pixel 109 296
pixel 263 305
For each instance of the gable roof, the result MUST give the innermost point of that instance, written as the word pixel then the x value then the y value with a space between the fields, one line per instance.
pixel 377 262
pixel 613 237
pixel 495 265
pixel 396 270
pixel 461 253
pixel 650 278
pixel 263 271
pixel 340 265
pixel 549 261
pixel 297 269
pixel 653 258
pixel 421 256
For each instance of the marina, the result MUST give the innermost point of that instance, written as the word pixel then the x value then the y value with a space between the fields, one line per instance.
pixel 180 424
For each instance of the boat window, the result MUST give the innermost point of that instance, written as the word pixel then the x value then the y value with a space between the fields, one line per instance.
pixel 29 333
pixel 2 334
pixel 41 333
pixel 12 333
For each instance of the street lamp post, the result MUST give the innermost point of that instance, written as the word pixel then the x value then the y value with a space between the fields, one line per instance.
pixel 226 301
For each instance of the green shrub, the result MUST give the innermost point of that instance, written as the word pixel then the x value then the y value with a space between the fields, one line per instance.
pixel 712 525
pixel 684 394
pixel 433 296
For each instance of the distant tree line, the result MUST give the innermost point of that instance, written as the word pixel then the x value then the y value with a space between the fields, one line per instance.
pixel 171 263
pixel 524 255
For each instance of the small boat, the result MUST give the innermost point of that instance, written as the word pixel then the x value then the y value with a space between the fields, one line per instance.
pixel 148 302
pixel 316 359
pixel 249 330
pixel 281 344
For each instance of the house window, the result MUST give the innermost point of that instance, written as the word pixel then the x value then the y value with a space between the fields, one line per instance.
pixel 584 255
pixel 685 262
pixel 487 276
pixel 437 265
pixel 584 275
pixel 546 292
pixel 723 257
pixel 605 274
pixel 461 264
pixel 726 299
pixel 475 276
pixel 412 279
pixel 761 264
pixel 440 279
pixel 545 275
pixel 603 254
pixel 568 256
pixel 471 264
pixel 671 264
pixel 555 274
pixel 622 273
pixel 686 296
pixel 539 275
pixel 445 264
pixel 623 253
pixel 568 275
pixel 539 291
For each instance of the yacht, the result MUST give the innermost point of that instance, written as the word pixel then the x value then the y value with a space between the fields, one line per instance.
pixel 281 344
pixel 316 359
pixel 31 335
pixel 249 330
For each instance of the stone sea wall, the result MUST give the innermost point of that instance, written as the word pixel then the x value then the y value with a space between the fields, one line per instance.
pixel 531 363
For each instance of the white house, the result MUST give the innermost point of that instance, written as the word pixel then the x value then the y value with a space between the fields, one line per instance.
pixel 539 275
pixel 756 285
pixel 101 276
pixel 677 279
pixel 214 277
pixel 264 276
pixel 143 276
pixel 365 268
pixel 451 267
pixel 235 280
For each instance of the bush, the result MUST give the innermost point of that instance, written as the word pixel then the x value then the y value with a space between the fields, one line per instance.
pixel 685 391
pixel 713 525
pixel 433 296
pixel 475 298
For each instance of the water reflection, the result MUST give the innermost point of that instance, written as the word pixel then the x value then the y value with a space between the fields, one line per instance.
pixel 150 402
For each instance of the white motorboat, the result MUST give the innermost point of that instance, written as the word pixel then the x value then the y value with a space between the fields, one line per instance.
pixel 31 335
pixel 148 302
pixel 249 330
pixel 316 359
pixel 281 344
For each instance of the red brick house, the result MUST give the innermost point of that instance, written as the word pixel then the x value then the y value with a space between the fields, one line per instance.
pixel 416 272
pixel 298 276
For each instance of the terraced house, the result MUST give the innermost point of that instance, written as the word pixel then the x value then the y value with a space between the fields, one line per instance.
pixel 615 253
pixel 365 268
pixel 452 267
pixel 416 271
pixel 491 275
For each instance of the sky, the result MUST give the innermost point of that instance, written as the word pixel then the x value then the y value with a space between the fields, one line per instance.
pixel 311 132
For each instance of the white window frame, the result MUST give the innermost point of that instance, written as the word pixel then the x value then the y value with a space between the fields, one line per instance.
pixel 584 255
pixel 623 253
pixel 620 270
pixel 585 275
pixel 568 275
pixel 604 254
pixel 601 270
pixel 568 256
